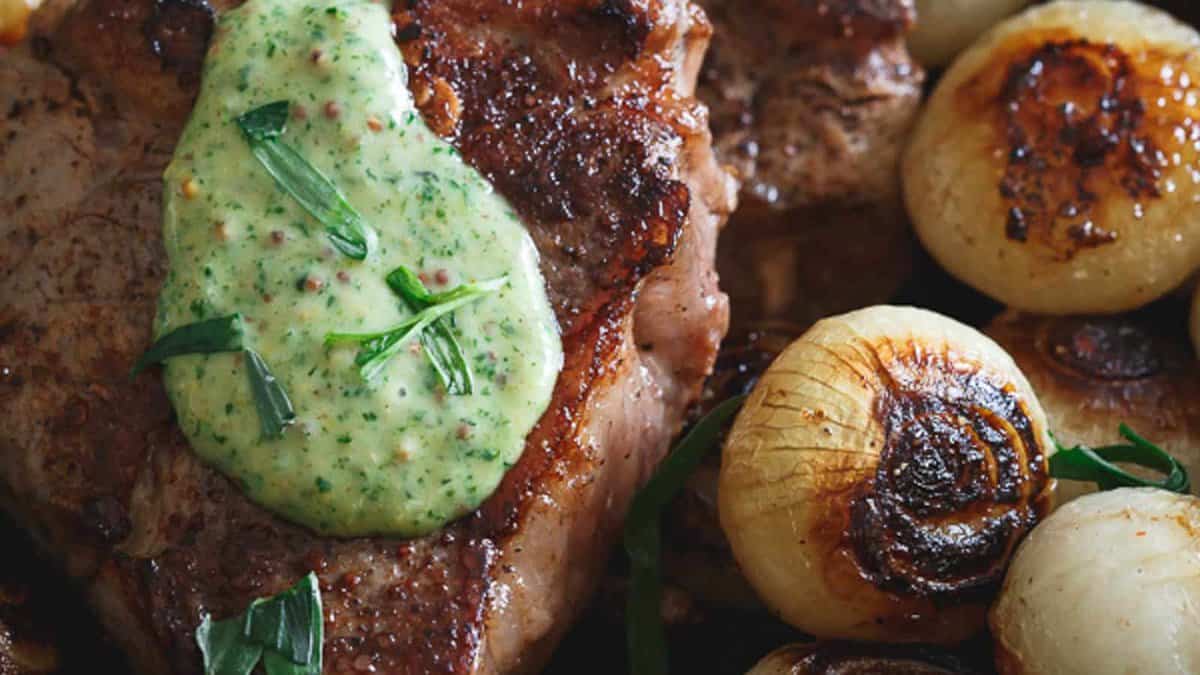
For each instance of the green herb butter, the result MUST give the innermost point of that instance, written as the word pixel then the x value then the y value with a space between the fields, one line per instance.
pixel 395 454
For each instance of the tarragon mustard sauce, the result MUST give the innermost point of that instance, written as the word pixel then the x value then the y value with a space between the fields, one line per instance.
pixel 397 454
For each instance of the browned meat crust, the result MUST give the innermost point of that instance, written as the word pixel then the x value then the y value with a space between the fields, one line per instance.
pixel 580 112
pixel 811 102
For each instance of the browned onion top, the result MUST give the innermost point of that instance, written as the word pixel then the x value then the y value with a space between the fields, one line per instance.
pixel 962 477
pixel 1073 117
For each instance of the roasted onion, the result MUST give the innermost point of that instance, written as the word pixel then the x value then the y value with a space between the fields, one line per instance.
pixel 880 475
pixel 1090 373
pixel 697 555
pixel 1056 167
pixel 27 646
pixel 14 19
pixel 1109 583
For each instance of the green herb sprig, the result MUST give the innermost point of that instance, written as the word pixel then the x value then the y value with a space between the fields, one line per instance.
pixel 1095 465
pixel 285 632
pixel 262 128
pixel 227 334
pixel 438 341
pixel 378 348
pixel 645 636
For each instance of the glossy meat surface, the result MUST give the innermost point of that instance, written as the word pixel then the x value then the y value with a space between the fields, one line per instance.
pixel 811 103
pixel 579 112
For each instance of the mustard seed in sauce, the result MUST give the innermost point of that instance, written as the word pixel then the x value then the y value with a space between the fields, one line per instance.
pixel 395 455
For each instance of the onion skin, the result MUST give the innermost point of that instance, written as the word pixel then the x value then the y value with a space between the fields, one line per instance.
pixel 1091 373
pixel 1108 584
pixel 848 658
pixel 1052 168
pixel 881 474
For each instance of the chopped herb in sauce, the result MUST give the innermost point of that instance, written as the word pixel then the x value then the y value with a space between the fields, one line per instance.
pixel 263 128
pixel 438 342
pixel 378 348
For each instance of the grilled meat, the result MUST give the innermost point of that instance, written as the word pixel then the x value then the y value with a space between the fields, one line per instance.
pixel 580 112
pixel 811 102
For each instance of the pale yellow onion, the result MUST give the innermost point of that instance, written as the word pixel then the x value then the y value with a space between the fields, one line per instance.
pixel 1194 321
pixel 946 27
pixel 829 453
pixel 1092 373
pixel 1108 584
pixel 1091 210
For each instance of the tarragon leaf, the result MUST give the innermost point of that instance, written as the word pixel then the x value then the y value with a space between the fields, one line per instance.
pixel 263 129
pixel 223 334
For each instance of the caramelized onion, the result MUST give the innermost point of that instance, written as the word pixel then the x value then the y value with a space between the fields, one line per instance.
pixel 14 19
pixel 881 474
pixel 946 27
pixel 1093 372
pixel 843 658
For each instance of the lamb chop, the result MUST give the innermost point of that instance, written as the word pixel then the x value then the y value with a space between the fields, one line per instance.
pixel 580 113
pixel 811 103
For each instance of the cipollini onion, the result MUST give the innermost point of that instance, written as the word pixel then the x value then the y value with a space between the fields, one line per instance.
pixel 1108 584
pixel 1052 168
pixel 697 555
pixel 880 475
pixel 1092 372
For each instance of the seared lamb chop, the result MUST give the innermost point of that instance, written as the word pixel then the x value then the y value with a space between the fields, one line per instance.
pixel 811 103
pixel 581 114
